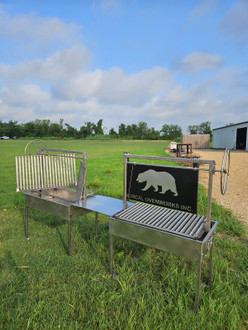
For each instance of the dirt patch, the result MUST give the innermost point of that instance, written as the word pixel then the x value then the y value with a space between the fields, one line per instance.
pixel 236 197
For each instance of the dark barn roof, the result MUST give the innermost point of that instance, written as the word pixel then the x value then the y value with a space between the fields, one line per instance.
pixel 244 122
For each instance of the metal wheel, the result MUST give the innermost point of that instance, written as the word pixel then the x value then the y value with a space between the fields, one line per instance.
pixel 225 171
pixel 33 147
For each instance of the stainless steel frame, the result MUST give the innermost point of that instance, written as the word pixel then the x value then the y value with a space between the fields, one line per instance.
pixel 45 177
pixel 177 232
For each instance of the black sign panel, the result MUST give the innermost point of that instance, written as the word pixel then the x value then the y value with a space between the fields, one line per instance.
pixel 174 188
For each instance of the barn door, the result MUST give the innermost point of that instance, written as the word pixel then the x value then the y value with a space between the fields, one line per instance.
pixel 241 138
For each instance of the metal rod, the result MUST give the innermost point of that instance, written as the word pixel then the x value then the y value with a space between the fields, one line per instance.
pixel 111 252
pixel 158 217
pixel 125 161
pixel 29 174
pixel 210 184
pixel 17 174
pixel 69 232
pixel 211 264
pixel 23 173
pixel 198 282
pixel 171 159
pixel 74 170
pixel 41 171
pixel 32 171
pixel 26 220
pixel 96 225
pixel 155 213
pixel 69 170
pixel 191 229
pixel 62 150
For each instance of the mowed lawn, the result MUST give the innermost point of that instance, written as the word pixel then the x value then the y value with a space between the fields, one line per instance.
pixel 42 288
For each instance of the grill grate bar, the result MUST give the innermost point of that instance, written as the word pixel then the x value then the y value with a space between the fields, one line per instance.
pixel 150 215
pixel 178 222
pixel 157 214
pixel 164 222
pixel 140 213
pixel 175 225
pixel 191 226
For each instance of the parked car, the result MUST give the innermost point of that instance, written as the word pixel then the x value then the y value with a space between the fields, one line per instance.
pixel 4 138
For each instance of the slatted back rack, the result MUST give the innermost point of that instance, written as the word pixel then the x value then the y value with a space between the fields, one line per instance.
pixel 170 225
pixel 51 169
pixel 53 181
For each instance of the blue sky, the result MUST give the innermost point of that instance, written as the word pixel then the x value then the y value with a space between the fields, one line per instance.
pixel 125 61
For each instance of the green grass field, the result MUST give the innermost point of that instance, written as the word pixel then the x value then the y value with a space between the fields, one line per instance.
pixel 42 288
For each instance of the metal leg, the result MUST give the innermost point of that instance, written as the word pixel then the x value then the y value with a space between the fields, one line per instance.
pixel 211 265
pixel 198 284
pixel 134 256
pixel 111 249
pixel 69 235
pixel 26 221
pixel 96 224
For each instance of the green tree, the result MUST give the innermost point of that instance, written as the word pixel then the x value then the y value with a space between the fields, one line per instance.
pixel 87 129
pixel 142 130
pixel 193 129
pixel 55 130
pixel 152 134
pixel 98 127
pixel 122 130
pixel 29 129
pixel 171 131
pixel 71 131
pixel 112 132
pixel 41 127
pixel 203 128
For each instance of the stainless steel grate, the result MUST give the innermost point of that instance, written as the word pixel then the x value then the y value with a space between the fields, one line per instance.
pixel 168 220
pixel 45 171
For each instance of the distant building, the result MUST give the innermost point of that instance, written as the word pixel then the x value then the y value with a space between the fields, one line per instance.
pixel 231 136
pixel 198 141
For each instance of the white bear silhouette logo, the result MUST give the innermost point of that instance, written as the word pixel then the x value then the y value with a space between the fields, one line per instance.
pixel 156 179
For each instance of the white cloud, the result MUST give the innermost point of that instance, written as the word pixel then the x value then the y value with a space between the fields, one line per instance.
pixel 203 8
pixel 34 27
pixel 115 86
pixel 23 95
pixel 62 64
pixel 29 33
pixel 59 83
pixel 200 61
pixel 235 23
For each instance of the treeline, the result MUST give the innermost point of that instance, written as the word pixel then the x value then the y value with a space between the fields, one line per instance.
pixel 44 128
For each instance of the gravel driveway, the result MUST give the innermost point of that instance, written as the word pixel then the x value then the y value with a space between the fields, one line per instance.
pixel 236 197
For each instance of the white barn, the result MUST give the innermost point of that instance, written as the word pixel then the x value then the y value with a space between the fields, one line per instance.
pixel 231 136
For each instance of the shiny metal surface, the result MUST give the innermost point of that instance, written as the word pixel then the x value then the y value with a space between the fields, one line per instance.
pixel 45 171
pixel 46 175
pixel 184 234
pixel 171 221
pixel 101 204
pixel 163 240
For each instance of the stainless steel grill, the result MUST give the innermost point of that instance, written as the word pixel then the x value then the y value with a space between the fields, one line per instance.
pixel 165 225
pixel 45 178
pixel 166 220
